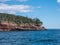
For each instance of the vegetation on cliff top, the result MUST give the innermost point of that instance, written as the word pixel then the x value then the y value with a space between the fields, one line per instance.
pixel 18 19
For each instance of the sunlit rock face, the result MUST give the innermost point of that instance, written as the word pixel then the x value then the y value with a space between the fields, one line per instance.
pixel 7 26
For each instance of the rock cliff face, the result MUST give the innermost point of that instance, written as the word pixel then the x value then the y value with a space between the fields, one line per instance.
pixel 5 26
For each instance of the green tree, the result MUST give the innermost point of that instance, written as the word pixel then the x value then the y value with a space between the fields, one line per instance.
pixel 37 21
pixel 18 19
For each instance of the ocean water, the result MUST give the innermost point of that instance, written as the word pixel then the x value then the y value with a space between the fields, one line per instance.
pixel 46 37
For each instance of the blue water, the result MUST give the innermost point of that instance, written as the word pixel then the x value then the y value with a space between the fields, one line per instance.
pixel 46 37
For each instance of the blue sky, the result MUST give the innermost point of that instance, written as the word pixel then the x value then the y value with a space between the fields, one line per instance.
pixel 48 11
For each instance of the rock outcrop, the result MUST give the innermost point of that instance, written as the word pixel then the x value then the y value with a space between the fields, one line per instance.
pixel 13 22
pixel 5 26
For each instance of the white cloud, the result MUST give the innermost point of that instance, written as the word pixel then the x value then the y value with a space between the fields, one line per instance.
pixel 13 0
pixel 22 0
pixel 58 1
pixel 15 8
pixel 4 0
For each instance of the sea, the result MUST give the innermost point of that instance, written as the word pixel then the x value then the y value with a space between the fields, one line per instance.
pixel 40 37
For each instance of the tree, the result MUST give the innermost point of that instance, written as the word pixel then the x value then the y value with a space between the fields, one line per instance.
pixel 18 19
pixel 37 21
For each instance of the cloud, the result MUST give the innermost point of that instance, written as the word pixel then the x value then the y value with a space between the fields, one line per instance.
pixel 22 0
pixel 58 1
pixel 4 0
pixel 5 8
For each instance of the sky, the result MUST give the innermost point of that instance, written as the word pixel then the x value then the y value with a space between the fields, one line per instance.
pixel 48 11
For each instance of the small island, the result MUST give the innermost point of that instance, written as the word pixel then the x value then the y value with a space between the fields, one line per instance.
pixel 11 22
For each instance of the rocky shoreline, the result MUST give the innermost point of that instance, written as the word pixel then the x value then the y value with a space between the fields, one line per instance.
pixel 11 22
pixel 5 26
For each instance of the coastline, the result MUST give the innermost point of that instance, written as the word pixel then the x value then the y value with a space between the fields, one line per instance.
pixel 22 27
pixel 10 22
pixel 27 30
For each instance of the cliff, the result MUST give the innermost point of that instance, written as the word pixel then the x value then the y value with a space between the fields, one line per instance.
pixel 10 22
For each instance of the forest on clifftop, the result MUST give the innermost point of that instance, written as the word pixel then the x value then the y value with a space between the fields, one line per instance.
pixel 18 19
